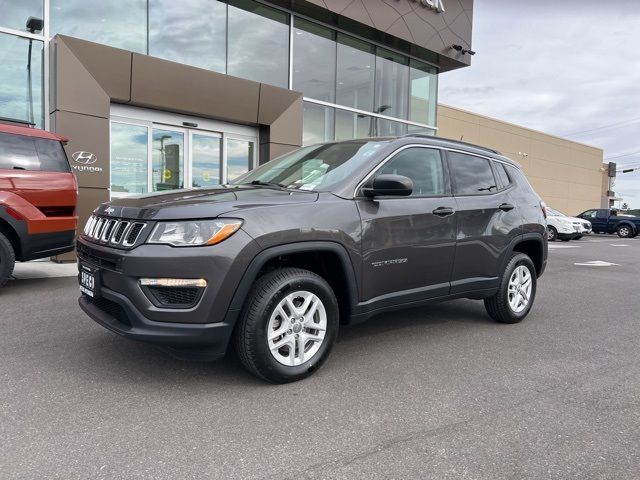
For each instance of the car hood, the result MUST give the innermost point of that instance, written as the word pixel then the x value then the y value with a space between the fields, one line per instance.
pixel 202 203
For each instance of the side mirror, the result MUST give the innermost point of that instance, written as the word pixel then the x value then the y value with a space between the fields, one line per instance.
pixel 389 185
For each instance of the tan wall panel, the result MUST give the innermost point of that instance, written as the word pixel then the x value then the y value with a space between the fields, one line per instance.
pixel 564 173
pixel 456 129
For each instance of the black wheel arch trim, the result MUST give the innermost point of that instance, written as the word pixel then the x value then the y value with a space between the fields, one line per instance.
pixel 252 271
pixel 524 238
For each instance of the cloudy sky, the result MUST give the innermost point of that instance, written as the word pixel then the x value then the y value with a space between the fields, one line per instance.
pixel 565 67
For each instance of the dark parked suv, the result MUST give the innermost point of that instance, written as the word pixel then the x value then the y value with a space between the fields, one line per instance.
pixel 329 234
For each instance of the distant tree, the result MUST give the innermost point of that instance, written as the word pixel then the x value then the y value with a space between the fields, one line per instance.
pixel 625 206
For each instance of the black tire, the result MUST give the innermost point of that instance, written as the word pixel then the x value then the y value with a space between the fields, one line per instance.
pixel 578 237
pixel 498 306
pixel 251 331
pixel 566 239
pixel 552 233
pixel 624 231
pixel 7 259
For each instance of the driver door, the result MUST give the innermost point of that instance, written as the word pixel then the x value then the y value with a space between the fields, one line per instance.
pixel 408 243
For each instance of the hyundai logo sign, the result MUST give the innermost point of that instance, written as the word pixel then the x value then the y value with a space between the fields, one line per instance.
pixel 85 161
pixel 84 158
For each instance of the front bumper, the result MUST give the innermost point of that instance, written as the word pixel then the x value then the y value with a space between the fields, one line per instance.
pixel 194 341
pixel 121 305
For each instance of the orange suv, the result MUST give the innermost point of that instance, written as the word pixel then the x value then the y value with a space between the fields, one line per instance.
pixel 38 195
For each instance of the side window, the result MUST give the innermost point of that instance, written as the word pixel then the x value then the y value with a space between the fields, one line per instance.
pixel 502 174
pixel 18 152
pixel 423 166
pixel 589 214
pixel 51 155
pixel 471 175
pixel 602 213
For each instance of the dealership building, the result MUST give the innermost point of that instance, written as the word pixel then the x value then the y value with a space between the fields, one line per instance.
pixel 157 94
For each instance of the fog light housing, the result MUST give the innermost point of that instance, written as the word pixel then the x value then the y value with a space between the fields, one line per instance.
pixel 180 293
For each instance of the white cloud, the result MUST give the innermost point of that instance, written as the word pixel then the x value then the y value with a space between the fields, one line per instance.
pixel 560 67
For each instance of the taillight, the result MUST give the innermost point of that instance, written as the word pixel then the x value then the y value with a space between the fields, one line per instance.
pixel 543 207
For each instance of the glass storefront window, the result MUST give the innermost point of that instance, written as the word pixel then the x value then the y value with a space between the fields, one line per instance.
pixel 129 158
pixel 318 124
pixel 314 61
pixel 118 23
pixel 355 73
pixel 424 84
pixel 205 160
pixel 167 160
pixel 21 79
pixel 258 47
pixel 389 128
pixel 240 155
pixel 14 14
pixel 193 32
pixel 392 84
pixel 353 125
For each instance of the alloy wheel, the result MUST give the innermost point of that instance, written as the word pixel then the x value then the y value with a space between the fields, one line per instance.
pixel 297 328
pixel 520 286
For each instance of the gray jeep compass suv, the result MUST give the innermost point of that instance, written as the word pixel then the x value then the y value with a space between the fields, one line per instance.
pixel 329 234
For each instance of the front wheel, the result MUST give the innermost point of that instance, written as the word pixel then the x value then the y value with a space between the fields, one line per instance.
pixel 288 326
pixel 624 231
pixel 516 293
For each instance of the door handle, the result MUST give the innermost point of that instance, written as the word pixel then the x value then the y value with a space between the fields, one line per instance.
pixel 443 211
pixel 505 207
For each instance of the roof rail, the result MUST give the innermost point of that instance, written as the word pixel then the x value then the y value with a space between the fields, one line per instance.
pixel 458 142
pixel 17 121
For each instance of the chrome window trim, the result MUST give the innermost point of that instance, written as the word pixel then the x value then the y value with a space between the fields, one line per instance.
pixel 434 147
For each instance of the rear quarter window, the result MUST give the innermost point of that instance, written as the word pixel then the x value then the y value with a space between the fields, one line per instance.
pixel 471 175
pixel 20 152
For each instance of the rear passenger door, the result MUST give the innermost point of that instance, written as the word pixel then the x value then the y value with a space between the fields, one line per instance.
pixel 408 243
pixel 488 220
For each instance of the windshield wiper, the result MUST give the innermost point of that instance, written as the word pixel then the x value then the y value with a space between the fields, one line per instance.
pixel 266 184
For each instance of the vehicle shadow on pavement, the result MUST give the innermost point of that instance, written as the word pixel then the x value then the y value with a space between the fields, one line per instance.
pixel 136 362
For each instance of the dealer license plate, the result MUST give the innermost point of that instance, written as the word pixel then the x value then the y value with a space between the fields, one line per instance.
pixel 87 279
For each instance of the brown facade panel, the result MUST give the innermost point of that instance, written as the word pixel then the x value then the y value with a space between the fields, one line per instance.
pixel 75 89
pixel 110 67
pixel 170 86
pixel 88 146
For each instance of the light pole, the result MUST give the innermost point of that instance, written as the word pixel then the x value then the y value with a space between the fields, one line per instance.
pixel 34 25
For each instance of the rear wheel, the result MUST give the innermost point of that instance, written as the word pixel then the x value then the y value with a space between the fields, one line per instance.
pixel 624 231
pixel 516 293
pixel 552 233
pixel 288 325
pixel 7 259
pixel 578 237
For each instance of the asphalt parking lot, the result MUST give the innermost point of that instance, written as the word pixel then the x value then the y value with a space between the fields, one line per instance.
pixel 439 392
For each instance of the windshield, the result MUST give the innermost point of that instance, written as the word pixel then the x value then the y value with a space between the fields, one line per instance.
pixel 555 213
pixel 317 167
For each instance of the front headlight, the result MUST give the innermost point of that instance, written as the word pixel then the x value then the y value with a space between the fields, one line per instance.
pixel 192 233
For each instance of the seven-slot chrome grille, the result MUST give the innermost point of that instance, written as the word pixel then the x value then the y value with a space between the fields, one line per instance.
pixel 113 231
